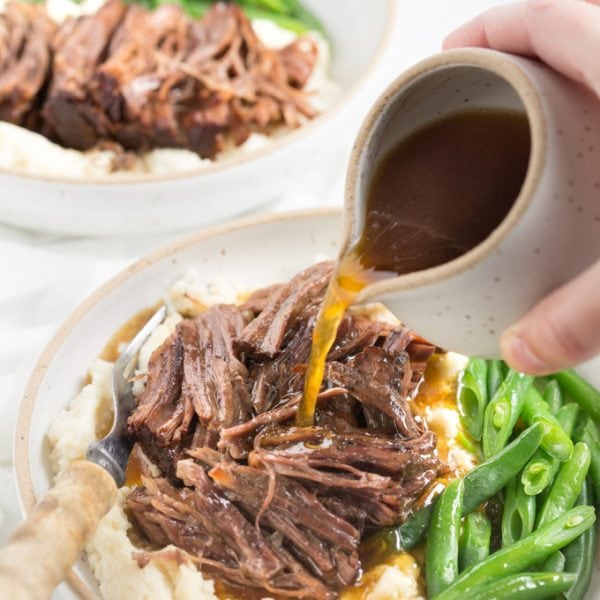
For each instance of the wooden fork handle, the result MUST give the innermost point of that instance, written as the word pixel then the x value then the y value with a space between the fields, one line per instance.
pixel 41 551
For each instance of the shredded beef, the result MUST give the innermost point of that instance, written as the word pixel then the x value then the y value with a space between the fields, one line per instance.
pixel 250 498
pixel 377 378
pixel 355 463
pixel 196 387
pixel 149 79
pixel 289 303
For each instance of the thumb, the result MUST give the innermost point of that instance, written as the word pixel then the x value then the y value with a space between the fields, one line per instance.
pixel 561 331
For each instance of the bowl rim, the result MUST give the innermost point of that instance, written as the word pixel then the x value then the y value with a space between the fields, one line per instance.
pixel 22 471
pixel 240 159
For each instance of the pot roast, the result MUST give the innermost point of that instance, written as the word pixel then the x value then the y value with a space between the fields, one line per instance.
pixel 138 79
pixel 253 500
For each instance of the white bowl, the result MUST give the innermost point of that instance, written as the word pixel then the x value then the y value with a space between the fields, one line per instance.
pixel 249 253
pixel 359 33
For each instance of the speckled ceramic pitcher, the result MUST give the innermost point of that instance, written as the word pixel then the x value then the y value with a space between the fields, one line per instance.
pixel 552 231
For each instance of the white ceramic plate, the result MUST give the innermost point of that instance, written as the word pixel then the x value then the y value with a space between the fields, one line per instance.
pixel 250 253
pixel 359 33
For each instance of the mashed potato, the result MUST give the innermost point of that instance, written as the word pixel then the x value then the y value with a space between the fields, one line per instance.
pixel 31 153
pixel 110 551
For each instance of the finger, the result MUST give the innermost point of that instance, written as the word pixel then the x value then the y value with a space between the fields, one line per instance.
pixel 561 331
pixel 494 29
pixel 565 34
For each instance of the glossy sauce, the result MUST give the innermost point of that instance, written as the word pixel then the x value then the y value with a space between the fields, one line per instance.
pixel 433 197
pixel 438 390
pixel 407 563
pixel 126 333
pixel 134 470
pixel 110 353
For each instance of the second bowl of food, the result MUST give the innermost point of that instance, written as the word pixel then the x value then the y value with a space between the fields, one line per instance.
pixel 118 119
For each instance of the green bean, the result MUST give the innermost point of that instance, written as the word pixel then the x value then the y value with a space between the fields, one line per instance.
pixel 555 562
pixel 553 396
pixel 581 392
pixel 495 375
pixel 589 435
pixel 306 16
pixel 194 8
pixel 276 6
pixel 555 441
pixel 376 548
pixel 567 485
pixel 441 554
pixel 488 478
pixel 538 473
pixel 518 516
pixel 567 417
pixel 541 469
pixel 475 540
pixel 586 422
pixel 394 539
pixel 472 396
pixel 466 442
pixel 503 411
pixel 531 550
pixel 284 21
pixel 289 15
pixel 527 586
pixel 580 553
pixel 483 482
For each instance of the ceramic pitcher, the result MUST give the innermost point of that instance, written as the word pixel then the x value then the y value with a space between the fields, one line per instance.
pixel 552 231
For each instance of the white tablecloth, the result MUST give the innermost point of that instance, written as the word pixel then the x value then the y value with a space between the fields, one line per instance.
pixel 42 277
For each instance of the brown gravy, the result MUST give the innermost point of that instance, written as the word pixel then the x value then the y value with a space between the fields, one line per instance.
pixel 433 197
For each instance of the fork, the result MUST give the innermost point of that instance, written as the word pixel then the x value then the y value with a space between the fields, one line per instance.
pixel 40 552
pixel 112 451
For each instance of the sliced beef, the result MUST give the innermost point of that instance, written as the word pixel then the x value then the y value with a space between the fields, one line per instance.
pixel 25 38
pixel 80 47
pixel 253 76
pixel 246 430
pixel 256 302
pixel 128 86
pixel 298 60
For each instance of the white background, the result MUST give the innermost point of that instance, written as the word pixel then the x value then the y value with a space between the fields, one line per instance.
pixel 42 278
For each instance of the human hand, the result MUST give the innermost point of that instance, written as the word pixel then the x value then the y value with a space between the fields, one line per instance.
pixel 564 328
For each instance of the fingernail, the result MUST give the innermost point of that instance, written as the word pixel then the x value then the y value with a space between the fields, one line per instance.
pixel 519 355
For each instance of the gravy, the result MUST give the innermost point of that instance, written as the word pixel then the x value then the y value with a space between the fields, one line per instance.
pixel 435 196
